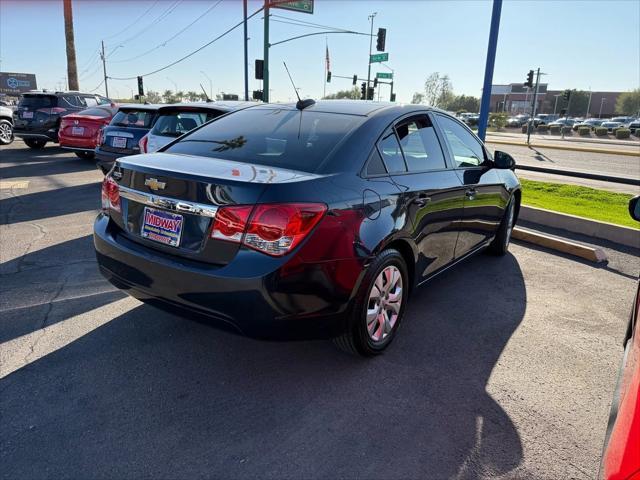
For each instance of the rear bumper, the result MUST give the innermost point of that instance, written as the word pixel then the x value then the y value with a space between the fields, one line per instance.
pixel 105 160
pixel 74 143
pixel 48 134
pixel 260 299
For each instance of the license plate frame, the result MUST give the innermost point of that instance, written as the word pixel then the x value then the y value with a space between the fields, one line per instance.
pixel 162 227
pixel 119 142
pixel 77 131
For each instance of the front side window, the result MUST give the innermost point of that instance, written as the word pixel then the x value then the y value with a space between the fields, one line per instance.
pixel 466 149
pixel 420 145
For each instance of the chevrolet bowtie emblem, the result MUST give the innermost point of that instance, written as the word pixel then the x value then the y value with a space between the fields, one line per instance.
pixel 154 184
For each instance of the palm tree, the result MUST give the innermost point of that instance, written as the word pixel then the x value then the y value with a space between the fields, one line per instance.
pixel 192 96
pixel 179 96
pixel 72 67
pixel 168 97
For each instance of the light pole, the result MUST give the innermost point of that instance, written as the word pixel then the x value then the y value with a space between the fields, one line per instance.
pixel 556 104
pixel 370 17
pixel 210 84
pixel 174 84
pixel 601 102
pixel 393 79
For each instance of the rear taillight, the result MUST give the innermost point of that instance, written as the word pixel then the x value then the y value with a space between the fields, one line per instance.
pixel 274 229
pixel 110 194
pixel 99 136
pixel 143 144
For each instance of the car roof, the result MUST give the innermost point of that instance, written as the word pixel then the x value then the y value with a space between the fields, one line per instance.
pixel 225 106
pixel 140 106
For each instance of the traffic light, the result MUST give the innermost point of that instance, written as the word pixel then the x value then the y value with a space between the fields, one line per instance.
pixel 355 79
pixel 259 69
pixel 382 37
pixel 393 97
pixel 140 87
pixel 375 82
pixel 566 95
pixel 257 94
pixel 370 93
pixel 529 82
pixel 328 76
pixel 363 90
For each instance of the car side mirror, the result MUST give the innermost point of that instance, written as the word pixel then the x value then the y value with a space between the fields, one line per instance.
pixel 503 160
pixel 634 208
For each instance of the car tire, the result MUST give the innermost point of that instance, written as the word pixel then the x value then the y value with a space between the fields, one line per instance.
pixel 6 132
pixel 35 143
pixel 383 293
pixel 500 244
pixel 85 155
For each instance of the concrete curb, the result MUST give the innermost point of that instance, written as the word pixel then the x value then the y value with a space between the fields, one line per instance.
pixel 605 151
pixel 627 236
pixel 573 173
pixel 592 254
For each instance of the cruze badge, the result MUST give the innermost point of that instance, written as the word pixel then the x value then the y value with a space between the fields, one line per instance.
pixel 154 184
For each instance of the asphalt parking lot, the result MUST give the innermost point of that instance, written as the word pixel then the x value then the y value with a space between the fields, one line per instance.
pixel 504 367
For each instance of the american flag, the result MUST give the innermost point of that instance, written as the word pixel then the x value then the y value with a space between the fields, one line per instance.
pixel 327 59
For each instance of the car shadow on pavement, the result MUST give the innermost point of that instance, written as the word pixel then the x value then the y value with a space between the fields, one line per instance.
pixel 50 203
pixel 151 395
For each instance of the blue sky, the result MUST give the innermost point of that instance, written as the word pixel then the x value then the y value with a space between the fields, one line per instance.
pixel 580 44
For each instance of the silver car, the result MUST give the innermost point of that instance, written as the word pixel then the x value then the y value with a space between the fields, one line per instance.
pixel 6 125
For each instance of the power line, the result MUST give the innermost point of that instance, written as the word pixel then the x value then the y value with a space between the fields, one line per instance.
pixel 194 52
pixel 169 39
pixel 134 22
pixel 99 85
pixel 311 24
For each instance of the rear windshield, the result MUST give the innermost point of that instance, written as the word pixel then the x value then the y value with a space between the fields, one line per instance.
pixel 133 118
pixel 271 137
pixel 38 101
pixel 95 112
pixel 175 124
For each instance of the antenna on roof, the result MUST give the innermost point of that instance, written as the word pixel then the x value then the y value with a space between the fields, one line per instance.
pixel 205 94
pixel 301 104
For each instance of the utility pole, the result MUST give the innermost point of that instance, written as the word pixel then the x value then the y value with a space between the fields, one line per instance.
pixel 265 80
pixel 72 66
pixel 589 104
pixel 533 107
pixel 104 69
pixel 556 104
pixel 246 54
pixel 370 17
pixel 602 101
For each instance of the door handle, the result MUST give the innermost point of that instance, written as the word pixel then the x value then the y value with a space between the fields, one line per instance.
pixel 470 193
pixel 422 200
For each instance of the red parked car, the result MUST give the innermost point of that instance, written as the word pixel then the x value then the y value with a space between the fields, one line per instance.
pixel 621 459
pixel 80 131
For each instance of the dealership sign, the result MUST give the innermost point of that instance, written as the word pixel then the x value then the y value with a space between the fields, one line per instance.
pixel 17 83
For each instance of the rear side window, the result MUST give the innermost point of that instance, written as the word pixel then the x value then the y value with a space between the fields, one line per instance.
pixel 90 101
pixel 133 118
pixel 72 101
pixel 34 102
pixel 391 153
pixel 96 112
pixel 275 137
pixel 175 124
pixel 420 145
pixel 375 166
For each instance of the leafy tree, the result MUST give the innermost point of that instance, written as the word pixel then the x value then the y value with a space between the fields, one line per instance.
pixel 192 96
pixel 179 96
pixel 498 120
pixel 353 94
pixel 578 104
pixel 168 96
pixel 462 103
pixel 153 97
pixel 437 89
pixel 417 98
pixel 628 103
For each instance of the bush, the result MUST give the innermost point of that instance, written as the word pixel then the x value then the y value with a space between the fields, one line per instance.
pixel 555 129
pixel 497 120
pixel 601 131
pixel 543 128
pixel 566 130
pixel 584 131
pixel 637 134
pixel 623 133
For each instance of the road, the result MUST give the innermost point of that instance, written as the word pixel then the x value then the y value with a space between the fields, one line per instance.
pixel 504 367
pixel 602 164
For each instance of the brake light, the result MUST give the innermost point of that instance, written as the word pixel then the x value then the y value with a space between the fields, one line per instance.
pixel 274 229
pixel 110 195
pixel 143 144
pixel 99 136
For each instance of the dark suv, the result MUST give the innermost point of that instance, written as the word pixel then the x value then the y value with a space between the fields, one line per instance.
pixel 37 118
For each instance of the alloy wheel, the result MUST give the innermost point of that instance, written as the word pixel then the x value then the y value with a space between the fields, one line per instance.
pixel 5 132
pixel 384 303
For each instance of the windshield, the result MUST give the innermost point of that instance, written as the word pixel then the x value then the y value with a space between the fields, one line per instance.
pixel 175 124
pixel 271 137
pixel 37 101
pixel 133 118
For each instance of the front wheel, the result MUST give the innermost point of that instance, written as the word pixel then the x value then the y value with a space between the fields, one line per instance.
pixel 35 143
pixel 6 132
pixel 378 308
pixel 500 244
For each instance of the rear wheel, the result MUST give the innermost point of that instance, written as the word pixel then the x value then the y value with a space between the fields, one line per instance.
pixel 500 244
pixel 85 155
pixel 6 132
pixel 379 306
pixel 35 143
